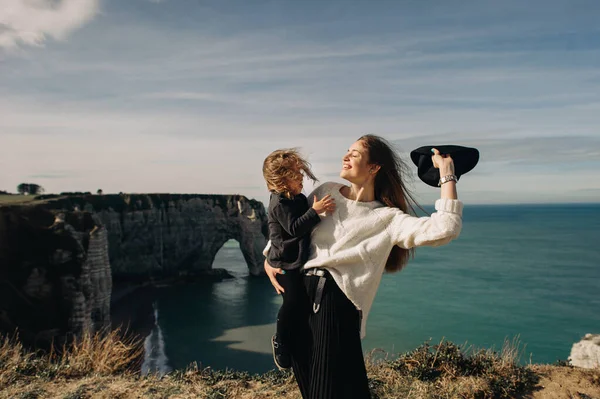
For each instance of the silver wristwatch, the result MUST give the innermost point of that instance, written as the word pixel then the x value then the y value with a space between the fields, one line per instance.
pixel 446 179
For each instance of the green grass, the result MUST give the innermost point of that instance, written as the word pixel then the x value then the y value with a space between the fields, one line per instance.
pixel 15 199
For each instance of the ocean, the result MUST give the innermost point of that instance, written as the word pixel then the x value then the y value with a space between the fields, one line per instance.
pixel 526 272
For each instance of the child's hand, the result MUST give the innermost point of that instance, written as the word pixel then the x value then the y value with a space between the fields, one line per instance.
pixel 326 204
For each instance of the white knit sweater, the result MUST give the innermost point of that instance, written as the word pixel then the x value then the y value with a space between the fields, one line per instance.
pixel 354 242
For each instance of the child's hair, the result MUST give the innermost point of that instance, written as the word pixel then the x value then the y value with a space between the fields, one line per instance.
pixel 281 166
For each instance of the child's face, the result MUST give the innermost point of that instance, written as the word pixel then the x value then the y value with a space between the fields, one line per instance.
pixel 295 183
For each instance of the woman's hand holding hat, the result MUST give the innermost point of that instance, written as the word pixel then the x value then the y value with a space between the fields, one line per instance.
pixel 446 160
pixel 443 162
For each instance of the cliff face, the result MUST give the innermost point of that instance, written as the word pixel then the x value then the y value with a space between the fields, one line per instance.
pixel 55 275
pixel 60 255
pixel 586 353
pixel 163 235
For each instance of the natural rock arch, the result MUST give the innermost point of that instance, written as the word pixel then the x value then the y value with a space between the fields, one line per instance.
pixel 166 235
pixel 242 220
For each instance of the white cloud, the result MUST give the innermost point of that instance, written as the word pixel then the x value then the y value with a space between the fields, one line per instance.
pixel 31 22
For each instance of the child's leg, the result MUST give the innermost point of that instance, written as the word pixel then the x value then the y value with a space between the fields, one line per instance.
pixel 291 319
pixel 294 304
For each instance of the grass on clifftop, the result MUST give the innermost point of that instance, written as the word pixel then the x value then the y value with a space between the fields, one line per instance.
pixel 15 199
pixel 97 355
pixel 105 367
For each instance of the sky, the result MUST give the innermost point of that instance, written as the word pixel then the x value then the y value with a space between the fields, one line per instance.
pixel 190 96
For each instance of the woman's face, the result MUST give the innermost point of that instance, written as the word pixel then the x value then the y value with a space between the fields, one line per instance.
pixel 355 166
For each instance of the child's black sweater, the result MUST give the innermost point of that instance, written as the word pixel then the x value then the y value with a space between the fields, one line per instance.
pixel 290 224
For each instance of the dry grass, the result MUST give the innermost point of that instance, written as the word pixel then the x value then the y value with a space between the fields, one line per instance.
pixel 100 354
pixel 102 366
pixel 91 355
pixel 446 370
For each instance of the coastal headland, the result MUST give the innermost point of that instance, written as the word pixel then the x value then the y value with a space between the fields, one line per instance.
pixel 65 259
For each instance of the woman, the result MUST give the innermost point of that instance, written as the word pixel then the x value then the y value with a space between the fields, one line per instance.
pixel 369 232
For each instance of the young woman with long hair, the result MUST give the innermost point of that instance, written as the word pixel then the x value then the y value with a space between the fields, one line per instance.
pixel 370 231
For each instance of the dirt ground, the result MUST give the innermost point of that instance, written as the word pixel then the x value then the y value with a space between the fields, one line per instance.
pixel 567 383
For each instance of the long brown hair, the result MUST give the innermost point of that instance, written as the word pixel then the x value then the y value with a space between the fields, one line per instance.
pixel 391 190
pixel 280 166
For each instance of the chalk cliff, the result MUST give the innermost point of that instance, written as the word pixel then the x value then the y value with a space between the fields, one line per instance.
pixel 59 256
pixel 55 274
pixel 164 235
pixel 586 353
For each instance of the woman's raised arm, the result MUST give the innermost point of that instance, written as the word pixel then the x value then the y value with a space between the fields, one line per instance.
pixel 442 226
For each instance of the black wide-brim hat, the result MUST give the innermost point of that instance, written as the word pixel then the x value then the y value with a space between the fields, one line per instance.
pixel 465 159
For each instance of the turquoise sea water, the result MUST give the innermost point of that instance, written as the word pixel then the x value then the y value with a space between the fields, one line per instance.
pixel 531 271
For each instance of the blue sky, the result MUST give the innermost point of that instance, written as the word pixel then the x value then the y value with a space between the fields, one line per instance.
pixel 190 96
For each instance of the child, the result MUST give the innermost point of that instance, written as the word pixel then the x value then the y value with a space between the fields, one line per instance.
pixel 290 223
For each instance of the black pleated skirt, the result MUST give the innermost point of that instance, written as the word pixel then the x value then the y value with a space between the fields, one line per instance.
pixel 327 357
